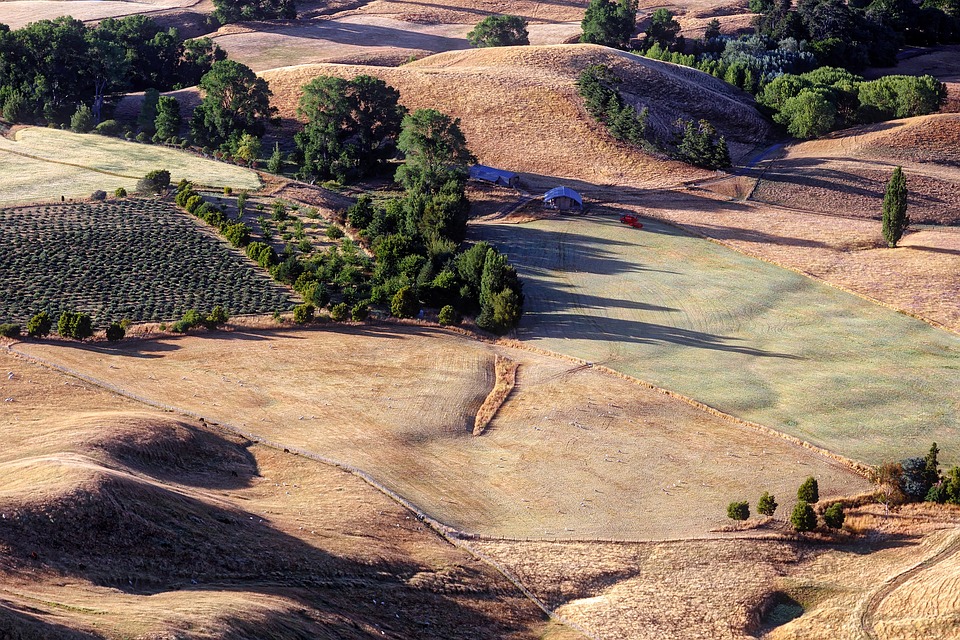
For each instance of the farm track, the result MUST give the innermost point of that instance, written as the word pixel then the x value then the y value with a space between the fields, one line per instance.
pixel 868 613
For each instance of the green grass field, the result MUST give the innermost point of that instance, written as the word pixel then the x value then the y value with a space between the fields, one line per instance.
pixel 136 259
pixel 44 164
pixel 744 336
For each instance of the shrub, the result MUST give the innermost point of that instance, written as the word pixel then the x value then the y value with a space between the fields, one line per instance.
pixel 340 312
pixel 98 195
pixel 193 203
pixel 404 303
pixel 803 517
pixel 82 120
pixel 154 182
pixel 303 313
pixel 449 316
pixel 359 312
pixel 360 213
pixel 334 232
pixel 738 510
pixel 809 491
pixel 237 234
pixel 142 137
pixel 115 332
pixel 10 330
pixel 227 191
pixel 766 505
pixel 216 318
pixel 833 517
pixel 261 253
pixel 39 325
pixel 120 193
pixel 74 325
pixel 109 128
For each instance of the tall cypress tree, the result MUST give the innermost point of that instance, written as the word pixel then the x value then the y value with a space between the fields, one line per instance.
pixel 895 218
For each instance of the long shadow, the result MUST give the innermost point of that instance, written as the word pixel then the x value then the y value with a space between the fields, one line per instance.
pixel 952 252
pixel 365 35
pixel 22 622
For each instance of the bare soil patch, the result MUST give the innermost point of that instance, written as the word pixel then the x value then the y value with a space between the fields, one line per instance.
pixel 573 453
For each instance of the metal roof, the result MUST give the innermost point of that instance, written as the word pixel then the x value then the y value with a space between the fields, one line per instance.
pixel 481 172
pixel 558 192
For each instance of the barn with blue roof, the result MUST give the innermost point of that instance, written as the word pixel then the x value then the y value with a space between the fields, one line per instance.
pixel 563 199
pixel 496 176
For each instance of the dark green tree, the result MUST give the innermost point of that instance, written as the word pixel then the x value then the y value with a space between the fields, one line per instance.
pixel 147 119
pixel 115 332
pixel 767 504
pixel 663 29
pixel 199 56
pixel 227 11
pixel 39 325
pixel 404 303
pixel 738 510
pixel 499 31
pixel 74 324
pixel 833 516
pixel 895 219
pixel 609 23
pixel 156 181
pixel 82 120
pixel 803 517
pixel 235 101
pixel 168 120
pixel 435 149
pixel 809 491
pixel 303 313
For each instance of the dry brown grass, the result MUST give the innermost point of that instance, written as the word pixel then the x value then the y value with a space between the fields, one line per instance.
pixel 121 521
pixel 19 13
pixel 506 378
pixel 574 453
pixel 519 109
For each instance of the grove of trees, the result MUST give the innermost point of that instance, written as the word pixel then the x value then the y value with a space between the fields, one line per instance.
pixel 499 31
pixel 609 23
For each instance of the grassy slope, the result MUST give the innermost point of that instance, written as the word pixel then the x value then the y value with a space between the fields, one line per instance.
pixel 571 454
pixel 74 165
pixel 519 108
pixel 123 522
pixel 744 336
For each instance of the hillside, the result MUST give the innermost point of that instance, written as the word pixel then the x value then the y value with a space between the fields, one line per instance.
pixel 520 110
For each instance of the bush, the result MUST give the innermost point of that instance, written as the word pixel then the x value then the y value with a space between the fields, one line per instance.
pixel 738 510
pixel 833 517
pixel 360 213
pixel 193 203
pixel 359 312
pixel 303 313
pixel 216 318
pixel 237 234
pixel 449 316
pixel 74 325
pixel 340 312
pixel 154 182
pixel 334 232
pixel 809 491
pixel 10 330
pixel 98 195
pixel 404 303
pixel 261 253
pixel 120 193
pixel 82 120
pixel 39 325
pixel 803 517
pixel 109 128
pixel 766 505
pixel 115 332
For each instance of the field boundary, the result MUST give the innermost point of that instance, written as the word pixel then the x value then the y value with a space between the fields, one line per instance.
pixel 448 533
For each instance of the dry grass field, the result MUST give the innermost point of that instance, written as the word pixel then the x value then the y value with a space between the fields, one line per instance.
pixel 19 13
pixel 42 164
pixel 572 454
pixel 747 337
pixel 122 522
pixel 847 172
pixel 519 109
pixel 844 251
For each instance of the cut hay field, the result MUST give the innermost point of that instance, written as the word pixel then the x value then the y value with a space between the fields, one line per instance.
pixel 19 13
pixel 849 252
pixel 847 172
pixel 136 259
pixel 573 453
pixel 119 522
pixel 744 336
pixel 520 110
pixel 42 164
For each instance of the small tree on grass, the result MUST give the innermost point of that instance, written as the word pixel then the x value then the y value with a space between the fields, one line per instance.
pixel 404 303
pixel 75 325
pixel 340 312
pixel 275 163
pixel 738 510
pixel 895 219
pixel 809 491
pixel 449 316
pixel 10 330
pixel 499 31
pixel 39 325
pixel 154 182
pixel 766 505
pixel 115 332
pixel 833 517
pixel 82 120
pixel 803 517
pixel 303 313
pixel 216 318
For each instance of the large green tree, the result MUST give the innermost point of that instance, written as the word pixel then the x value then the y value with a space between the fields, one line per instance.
pixel 663 29
pixel 227 11
pixel 168 120
pixel 895 219
pixel 351 127
pixel 609 23
pixel 499 31
pixel 235 101
pixel 435 149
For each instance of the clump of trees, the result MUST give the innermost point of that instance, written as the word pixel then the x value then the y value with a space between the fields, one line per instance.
pixel 351 127
pixel 236 103
pixel 192 318
pixel 609 23
pixel 74 324
pixel 9 330
pixel 895 219
pixel 39 325
pixel 156 181
pixel 499 31
pixel 919 479
pixel 227 11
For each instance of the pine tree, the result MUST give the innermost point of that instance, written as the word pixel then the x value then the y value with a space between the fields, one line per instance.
pixel 803 517
pixel 895 218
pixel 809 491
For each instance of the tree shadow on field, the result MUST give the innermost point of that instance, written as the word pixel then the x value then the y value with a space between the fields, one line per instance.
pixel 23 622
pixel 951 252
pixel 603 329
pixel 364 35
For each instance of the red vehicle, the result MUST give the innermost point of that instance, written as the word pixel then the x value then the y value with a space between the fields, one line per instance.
pixel 631 220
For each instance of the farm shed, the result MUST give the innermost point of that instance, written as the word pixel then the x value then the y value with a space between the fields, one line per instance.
pixel 496 176
pixel 563 199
